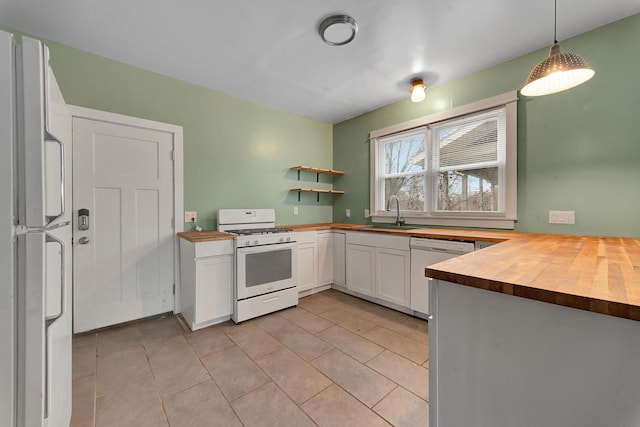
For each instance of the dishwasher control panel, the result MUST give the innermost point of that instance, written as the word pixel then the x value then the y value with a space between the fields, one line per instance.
pixel 441 245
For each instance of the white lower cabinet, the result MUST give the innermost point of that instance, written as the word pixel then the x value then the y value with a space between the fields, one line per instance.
pixel 339 258
pixel 325 261
pixel 393 276
pixel 360 268
pixel 379 266
pixel 307 260
pixel 315 260
pixel 206 272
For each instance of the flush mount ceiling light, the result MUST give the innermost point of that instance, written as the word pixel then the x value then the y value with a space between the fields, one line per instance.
pixel 558 72
pixel 417 90
pixel 338 30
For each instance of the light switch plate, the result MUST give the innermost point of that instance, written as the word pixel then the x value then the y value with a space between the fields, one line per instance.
pixel 190 216
pixel 295 210
pixel 347 213
pixel 367 213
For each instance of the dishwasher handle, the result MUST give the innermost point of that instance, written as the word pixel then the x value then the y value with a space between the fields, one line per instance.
pixel 442 246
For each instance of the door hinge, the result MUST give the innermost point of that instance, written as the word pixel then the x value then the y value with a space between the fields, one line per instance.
pixel 174 288
pixel 173 157
pixel 173 223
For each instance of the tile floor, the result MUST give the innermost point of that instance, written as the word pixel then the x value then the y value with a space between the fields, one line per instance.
pixel 334 360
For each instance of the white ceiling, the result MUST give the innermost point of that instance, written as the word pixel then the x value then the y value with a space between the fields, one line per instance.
pixel 269 51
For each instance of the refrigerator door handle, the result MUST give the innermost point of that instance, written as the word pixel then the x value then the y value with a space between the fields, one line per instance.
pixel 53 218
pixel 50 320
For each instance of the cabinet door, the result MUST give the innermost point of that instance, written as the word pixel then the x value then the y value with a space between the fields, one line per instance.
pixel 338 254
pixel 360 269
pixel 325 262
pixel 307 266
pixel 393 276
pixel 214 281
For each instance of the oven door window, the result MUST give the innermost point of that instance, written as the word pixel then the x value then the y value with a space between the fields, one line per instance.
pixel 268 267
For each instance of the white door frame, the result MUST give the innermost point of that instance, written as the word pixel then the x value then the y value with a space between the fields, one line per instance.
pixel 178 173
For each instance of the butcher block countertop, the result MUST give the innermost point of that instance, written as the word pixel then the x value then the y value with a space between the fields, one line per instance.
pixel 414 231
pixel 598 274
pixel 204 236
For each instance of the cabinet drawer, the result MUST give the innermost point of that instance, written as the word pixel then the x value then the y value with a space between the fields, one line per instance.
pixel 306 236
pixel 218 247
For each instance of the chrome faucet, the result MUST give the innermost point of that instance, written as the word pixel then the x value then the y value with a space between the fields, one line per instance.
pixel 399 219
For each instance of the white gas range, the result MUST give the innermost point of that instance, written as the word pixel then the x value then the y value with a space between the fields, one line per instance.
pixel 266 270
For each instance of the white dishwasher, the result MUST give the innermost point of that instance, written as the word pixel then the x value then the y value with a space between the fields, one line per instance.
pixel 426 252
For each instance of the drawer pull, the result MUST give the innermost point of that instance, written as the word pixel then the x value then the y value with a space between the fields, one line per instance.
pixel 270 299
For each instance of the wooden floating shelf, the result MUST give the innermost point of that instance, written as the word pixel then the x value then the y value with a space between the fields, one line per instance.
pixel 317 170
pixel 317 191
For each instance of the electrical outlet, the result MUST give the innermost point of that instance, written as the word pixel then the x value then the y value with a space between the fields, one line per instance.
pixel 190 216
pixel 295 210
pixel 367 213
pixel 347 213
pixel 562 217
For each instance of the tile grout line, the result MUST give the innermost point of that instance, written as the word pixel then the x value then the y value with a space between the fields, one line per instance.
pixel 329 301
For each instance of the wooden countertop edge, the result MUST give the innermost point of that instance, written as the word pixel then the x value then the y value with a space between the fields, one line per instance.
pixel 204 236
pixel 435 233
pixel 610 308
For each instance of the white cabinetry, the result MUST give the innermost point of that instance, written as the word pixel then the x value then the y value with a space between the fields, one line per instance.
pixel 379 266
pixel 338 258
pixel 315 261
pixel 360 268
pixel 393 276
pixel 325 262
pixel 206 270
pixel 307 260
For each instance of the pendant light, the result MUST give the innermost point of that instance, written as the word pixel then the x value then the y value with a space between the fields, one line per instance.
pixel 417 90
pixel 558 72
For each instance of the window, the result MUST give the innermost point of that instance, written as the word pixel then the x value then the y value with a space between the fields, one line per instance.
pixel 403 169
pixel 452 168
pixel 468 155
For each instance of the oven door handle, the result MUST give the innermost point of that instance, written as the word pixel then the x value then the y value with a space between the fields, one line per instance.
pixel 266 248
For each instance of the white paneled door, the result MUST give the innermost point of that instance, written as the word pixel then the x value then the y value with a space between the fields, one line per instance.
pixel 123 261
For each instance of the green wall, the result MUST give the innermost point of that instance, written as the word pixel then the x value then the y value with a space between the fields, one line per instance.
pixel 237 154
pixel 577 150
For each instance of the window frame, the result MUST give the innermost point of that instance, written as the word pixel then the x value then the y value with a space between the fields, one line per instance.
pixel 504 219
pixel 381 175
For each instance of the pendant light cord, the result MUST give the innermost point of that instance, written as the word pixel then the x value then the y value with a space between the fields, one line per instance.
pixel 555 21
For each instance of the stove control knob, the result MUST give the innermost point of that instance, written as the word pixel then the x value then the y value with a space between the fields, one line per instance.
pixel 255 242
pixel 281 239
pixel 288 239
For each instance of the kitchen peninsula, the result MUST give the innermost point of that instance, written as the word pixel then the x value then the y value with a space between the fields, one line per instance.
pixel 537 331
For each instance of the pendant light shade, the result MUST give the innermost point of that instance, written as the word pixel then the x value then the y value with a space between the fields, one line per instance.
pixel 558 72
pixel 418 90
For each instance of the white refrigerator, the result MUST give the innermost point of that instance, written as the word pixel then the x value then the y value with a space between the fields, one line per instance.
pixel 35 239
